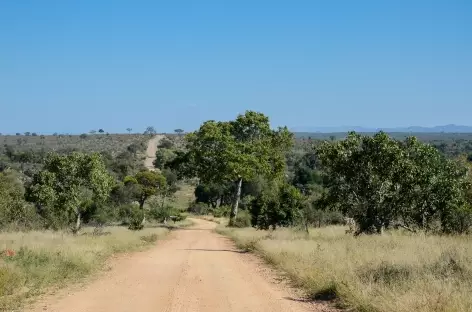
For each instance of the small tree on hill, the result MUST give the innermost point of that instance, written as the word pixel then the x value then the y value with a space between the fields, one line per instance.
pixel 151 131
pixel 148 183
pixel 179 131
pixel 163 157
pixel 129 130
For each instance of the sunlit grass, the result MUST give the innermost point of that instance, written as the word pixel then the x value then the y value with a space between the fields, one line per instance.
pixel 42 259
pixel 394 272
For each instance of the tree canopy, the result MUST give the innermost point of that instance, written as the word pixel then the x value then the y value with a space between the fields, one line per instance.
pixel 380 181
pixel 66 183
pixel 236 151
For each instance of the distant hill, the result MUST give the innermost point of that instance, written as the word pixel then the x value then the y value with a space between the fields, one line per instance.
pixel 413 129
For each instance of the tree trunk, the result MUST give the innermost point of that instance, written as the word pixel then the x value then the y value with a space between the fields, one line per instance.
pixel 77 223
pixel 144 218
pixel 141 203
pixel 234 208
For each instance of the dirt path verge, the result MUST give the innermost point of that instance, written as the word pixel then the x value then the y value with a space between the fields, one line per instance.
pixel 194 270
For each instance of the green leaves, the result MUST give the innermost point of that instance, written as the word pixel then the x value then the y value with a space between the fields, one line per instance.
pixel 245 147
pixel 235 151
pixel 380 181
pixel 60 187
pixel 150 182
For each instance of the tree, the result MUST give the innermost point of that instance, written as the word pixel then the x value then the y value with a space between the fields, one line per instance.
pixel 67 184
pixel 279 205
pixel 382 182
pixel 27 133
pixel 235 151
pixel 163 157
pixel 13 208
pixel 150 131
pixel 209 194
pixel 83 136
pixel 93 131
pixel 34 134
pixel 148 183
pixel 101 131
pixel 129 130
pixel 166 143
pixel 179 131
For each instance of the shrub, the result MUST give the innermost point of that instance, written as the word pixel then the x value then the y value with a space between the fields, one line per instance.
pixel 198 208
pixel 221 211
pixel 243 219
pixel 131 216
pixel 166 143
pixel 159 213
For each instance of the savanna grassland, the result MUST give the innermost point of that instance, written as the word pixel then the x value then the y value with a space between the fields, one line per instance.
pixel 60 229
pixel 397 271
pixel 33 262
pixel 407 201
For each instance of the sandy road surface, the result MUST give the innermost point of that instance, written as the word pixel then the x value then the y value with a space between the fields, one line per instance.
pixel 151 151
pixel 194 270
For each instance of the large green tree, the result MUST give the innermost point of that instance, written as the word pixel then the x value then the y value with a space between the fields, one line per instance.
pixel 236 151
pixel 67 183
pixel 380 181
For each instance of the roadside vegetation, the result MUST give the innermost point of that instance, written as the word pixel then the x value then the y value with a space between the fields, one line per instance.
pixel 371 222
pixel 396 271
pixel 32 262
pixel 64 211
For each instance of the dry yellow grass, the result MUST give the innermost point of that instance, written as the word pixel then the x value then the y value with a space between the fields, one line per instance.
pixel 183 197
pixel 394 272
pixel 44 259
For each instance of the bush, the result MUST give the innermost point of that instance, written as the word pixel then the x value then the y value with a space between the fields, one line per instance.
pixel 131 216
pixel 221 211
pixel 160 214
pixel 242 220
pixel 166 143
pixel 198 208
pixel 318 217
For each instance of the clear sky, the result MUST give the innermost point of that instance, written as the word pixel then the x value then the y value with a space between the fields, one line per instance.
pixel 73 66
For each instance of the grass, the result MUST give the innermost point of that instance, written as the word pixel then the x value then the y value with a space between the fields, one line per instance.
pixel 183 197
pixel 45 259
pixel 394 272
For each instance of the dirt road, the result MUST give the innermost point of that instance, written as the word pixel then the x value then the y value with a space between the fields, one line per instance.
pixel 151 151
pixel 194 270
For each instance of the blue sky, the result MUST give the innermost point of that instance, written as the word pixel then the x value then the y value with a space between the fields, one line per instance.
pixel 73 66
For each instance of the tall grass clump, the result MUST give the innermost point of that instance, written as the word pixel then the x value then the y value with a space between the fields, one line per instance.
pixel 396 271
pixel 32 262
